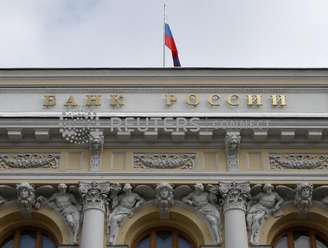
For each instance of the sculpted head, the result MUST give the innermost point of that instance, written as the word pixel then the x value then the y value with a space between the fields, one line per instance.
pixel 25 190
pixel 164 190
pixel 199 187
pixel 268 188
pixel 62 187
pixel 306 190
pixel 127 187
pixel 233 141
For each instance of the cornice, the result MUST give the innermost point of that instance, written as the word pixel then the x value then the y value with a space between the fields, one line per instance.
pixel 70 77
pixel 155 71
pixel 291 132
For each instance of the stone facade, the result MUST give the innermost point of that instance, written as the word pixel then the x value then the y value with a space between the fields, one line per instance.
pixel 98 157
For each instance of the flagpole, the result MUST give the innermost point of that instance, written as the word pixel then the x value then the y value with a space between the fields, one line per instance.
pixel 164 34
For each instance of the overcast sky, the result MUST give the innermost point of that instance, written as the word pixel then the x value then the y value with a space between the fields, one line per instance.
pixel 128 33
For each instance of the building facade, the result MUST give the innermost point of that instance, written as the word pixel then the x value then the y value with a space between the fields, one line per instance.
pixel 152 158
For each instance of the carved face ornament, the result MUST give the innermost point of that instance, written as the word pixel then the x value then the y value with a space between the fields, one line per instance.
pixel 127 188
pixel 306 192
pixel 268 188
pixel 164 193
pixel 24 193
pixel 62 188
pixel 199 187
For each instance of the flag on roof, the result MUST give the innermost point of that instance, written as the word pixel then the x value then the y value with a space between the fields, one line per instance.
pixel 170 43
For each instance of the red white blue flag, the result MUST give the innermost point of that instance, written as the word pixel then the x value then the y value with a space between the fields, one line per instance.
pixel 170 43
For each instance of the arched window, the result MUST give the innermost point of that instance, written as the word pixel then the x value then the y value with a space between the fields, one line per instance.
pixel 300 238
pixel 28 237
pixel 163 238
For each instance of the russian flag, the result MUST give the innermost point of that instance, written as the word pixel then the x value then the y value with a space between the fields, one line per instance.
pixel 170 43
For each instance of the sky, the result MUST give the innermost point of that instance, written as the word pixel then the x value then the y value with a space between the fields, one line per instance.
pixel 129 33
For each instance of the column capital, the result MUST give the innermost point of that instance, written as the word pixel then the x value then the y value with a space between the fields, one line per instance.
pixel 94 194
pixel 234 195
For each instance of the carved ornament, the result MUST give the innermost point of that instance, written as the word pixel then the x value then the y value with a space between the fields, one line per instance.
pixel 29 160
pixel 164 160
pixel 298 161
pixel 235 195
pixel 94 194
pixel 232 145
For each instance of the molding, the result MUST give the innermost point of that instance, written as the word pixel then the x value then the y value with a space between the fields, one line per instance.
pixel 261 115
pixel 187 176
pixel 209 89
pixel 114 73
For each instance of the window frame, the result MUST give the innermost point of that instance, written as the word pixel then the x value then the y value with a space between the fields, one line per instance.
pixel 312 234
pixel 16 234
pixel 152 236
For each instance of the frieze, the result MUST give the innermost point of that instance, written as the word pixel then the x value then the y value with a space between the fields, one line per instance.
pixel 164 160
pixel 298 161
pixel 29 160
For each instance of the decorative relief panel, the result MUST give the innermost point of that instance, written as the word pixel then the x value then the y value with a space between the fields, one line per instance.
pixel 164 160
pixel 29 160
pixel 298 161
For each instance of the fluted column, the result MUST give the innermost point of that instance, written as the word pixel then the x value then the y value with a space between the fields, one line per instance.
pixel 94 196
pixel 235 230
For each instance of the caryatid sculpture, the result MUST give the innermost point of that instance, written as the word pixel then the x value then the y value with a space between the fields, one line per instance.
pixel 123 205
pixel 263 203
pixel 205 203
pixel 67 205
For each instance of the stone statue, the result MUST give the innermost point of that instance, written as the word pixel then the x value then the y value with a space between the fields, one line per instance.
pixel 164 198
pixel 205 203
pixel 67 205
pixel 2 200
pixel 123 206
pixel 262 205
pixel 303 197
pixel 320 194
pixel 96 146
pixel 325 200
pixel 232 143
pixel 25 196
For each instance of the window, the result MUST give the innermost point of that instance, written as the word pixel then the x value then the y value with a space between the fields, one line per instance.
pixel 163 238
pixel 300 238
pixel 28 238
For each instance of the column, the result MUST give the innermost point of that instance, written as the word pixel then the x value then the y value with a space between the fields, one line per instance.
pixel 94 195
pixel 235 229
